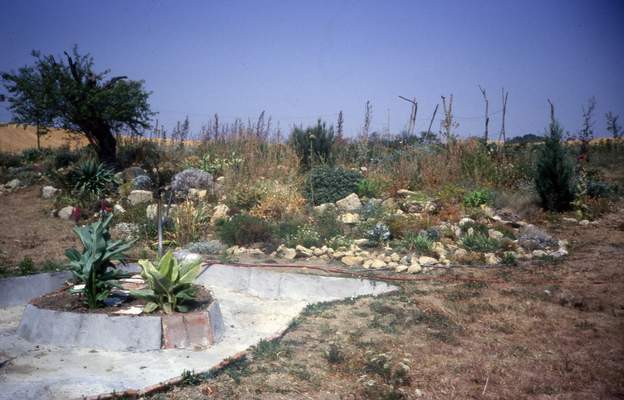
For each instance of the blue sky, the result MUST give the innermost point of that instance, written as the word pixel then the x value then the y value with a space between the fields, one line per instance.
pixel 303 60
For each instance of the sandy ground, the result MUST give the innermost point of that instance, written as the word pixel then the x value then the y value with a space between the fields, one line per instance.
pixel 28 230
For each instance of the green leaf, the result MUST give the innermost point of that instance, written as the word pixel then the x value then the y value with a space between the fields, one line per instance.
pixel 150 307
pixel 167 308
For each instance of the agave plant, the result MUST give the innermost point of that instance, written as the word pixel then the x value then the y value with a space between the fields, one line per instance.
pixel 93 267
pixel 91 179
pixel 169 282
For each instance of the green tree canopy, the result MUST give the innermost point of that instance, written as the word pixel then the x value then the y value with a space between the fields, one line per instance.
pixel 65 92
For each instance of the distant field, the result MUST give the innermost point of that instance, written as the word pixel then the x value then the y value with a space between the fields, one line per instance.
pixel 14 139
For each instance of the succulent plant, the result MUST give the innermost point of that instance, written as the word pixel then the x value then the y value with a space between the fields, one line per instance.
pixel 169 284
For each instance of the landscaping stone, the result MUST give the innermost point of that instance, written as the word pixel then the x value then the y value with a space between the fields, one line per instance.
pixel 401 268
pixel 197 194
pixel 219 212
pixel 405 193
pixel 414 268
pixel 303 251
pixel 350 203
pixel 584 222
pixel 191 178
pixel 142 182
pixel 321 209
pixel 389 204
pixel 349 218
pixel 491 259
pixel 377 264
pixel 66 213
pixel 140 197
pixel 48 192
pixel 465 221
pixel 13 184
pixel 118 209
pixel 533 238
pixel 130 173
pixel 286 252
pixel 426 261
pixel 351 261
pixel 184 256
pixel 494 234
pixel 210 247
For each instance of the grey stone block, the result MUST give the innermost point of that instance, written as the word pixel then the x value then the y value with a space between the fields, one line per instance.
pixel 97 331
pixel 21 289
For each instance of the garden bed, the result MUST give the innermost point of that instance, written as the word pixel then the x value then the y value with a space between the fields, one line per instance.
pixel 61 319
pixel 64 300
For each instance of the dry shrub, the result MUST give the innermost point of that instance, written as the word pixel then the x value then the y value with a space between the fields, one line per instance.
pixel 278 201
pixel 190 220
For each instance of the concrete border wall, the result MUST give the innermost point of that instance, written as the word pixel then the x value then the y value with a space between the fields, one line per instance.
pixel 22 289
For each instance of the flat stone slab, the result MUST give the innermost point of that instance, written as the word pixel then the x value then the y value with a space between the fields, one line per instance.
pixel 22 289
pixel 255 304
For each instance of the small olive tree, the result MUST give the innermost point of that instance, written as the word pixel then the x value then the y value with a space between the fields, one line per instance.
pixel 67 93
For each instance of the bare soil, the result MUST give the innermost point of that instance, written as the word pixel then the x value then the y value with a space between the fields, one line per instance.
pixel 64 300
pixel 28 230
pixel 542 330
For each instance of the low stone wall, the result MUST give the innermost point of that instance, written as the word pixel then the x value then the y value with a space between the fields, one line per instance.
pixel 192 330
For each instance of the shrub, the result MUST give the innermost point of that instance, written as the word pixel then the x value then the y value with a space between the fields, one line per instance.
pixel 189 179
pixel 480 242
pixel 333 354
pixel 339 241
pixel 326 184
pixel 94 266
pixel 418 242
pixel 370 188
pixel 32 155
pixel 278 201
pixel 243 229
pixel 26 266
pixel 379 233
pixel 244 197
pixel 305 236
pixel 313 145
pixel 327 224
pixel 509 258
pixel 63 157
pixel 8 160
pixel 144 153
pixel 90 179
pixel 189 221
pixel 599 190
pixel 170 284
pixel 477 198
pixel 554 173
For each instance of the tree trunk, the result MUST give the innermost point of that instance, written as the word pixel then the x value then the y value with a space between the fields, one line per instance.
pixel 105 145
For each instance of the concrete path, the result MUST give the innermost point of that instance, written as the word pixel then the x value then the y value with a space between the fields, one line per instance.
pixel 255 303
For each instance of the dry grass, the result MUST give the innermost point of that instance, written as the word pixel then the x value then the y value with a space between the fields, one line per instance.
pixel 536 331
pixel 14 139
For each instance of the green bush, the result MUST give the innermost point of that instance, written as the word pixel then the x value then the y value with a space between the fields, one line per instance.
pixel 243 229
pixel 417 242
pixel 169 284
pixel 32 155
pixel 480 242
pixel 90 179
pixel 26 266
pixel 94 266
pixel 370 188
pixel 327 184
pixel 327 225
pixel 313 145
pixel 305 236
pixel 8 160
pixel 477 198
pixel 554 173
pixel 63 157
